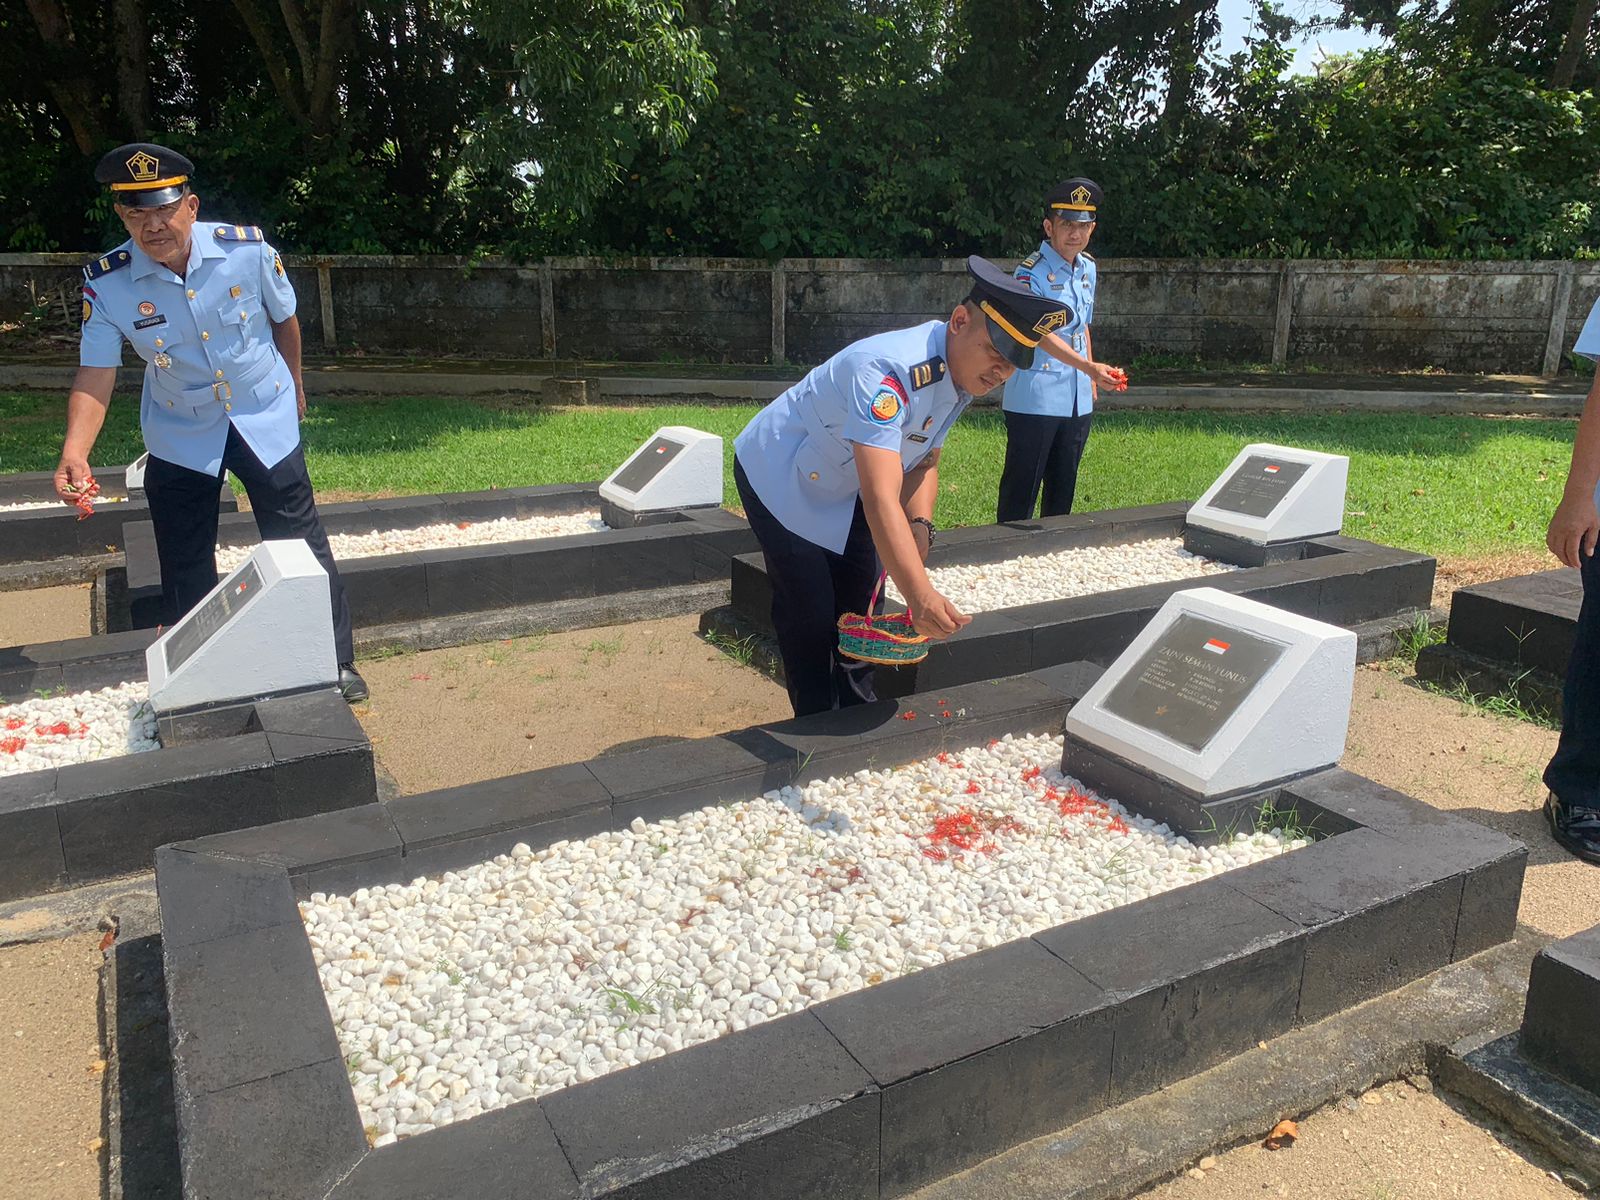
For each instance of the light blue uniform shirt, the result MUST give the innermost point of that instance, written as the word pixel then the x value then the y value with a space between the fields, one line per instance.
pixel 892 390
pixel 1588 345
pixel 1051 388
pixel 206 341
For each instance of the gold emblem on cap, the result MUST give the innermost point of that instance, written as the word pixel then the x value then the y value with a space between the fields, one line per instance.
pixel 144 167
pixel 1080 195
pixel 1050 322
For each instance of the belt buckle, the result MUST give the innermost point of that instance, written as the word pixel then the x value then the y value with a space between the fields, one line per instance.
pixel 222 391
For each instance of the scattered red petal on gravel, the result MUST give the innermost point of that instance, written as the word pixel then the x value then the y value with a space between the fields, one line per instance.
pixel 12 745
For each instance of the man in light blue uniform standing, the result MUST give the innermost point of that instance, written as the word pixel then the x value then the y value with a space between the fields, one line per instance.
pixel 212 314
pixel 1573 776
pixel 1049 407
pixel 843 468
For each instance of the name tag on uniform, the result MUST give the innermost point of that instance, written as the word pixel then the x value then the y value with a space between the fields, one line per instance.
pixel 916 437
pixel 149 321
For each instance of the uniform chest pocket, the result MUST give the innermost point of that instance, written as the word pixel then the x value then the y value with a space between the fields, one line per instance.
pixel 243 320
pixel 155 340
pixel 822 474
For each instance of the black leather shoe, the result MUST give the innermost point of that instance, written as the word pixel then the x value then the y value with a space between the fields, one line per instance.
pixel 1577 829
pixel 351 686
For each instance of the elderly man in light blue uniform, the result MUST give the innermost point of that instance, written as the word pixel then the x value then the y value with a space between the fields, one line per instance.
pixel 1050 407
pixel 212 314
pixel 843 468
pixel 1573 776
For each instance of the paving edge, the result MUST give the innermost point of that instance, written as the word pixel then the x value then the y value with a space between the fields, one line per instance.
pixel 1126 1149
pixel 1490 1073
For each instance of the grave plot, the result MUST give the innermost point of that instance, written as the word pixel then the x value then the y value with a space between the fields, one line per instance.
pixel 36 527
pixel 112 746
pixel 1108 573
pixel 934 1039
pixel 418 566
pixel 1509 635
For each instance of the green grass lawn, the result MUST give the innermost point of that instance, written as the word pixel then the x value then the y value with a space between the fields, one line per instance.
pixel 1442 485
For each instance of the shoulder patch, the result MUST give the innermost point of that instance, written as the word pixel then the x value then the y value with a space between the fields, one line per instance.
pixel 1033 259
pixel 238 233
pixel 888 401
pixel 927 372
pixel 114 261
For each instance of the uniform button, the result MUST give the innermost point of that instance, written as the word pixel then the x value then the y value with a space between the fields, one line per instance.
pixel 204 336
pixel 813 476
pixel 159 342
pixel 277 387
pixel 227 408
pixel 169 403
pixel 242 315
pixel 219 374
pixel 191 293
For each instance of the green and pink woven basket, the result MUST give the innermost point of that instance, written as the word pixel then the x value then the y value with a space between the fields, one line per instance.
pixel 889 639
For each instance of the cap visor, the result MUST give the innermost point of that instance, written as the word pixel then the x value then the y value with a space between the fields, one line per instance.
pixel 154 198
pixel 1010 349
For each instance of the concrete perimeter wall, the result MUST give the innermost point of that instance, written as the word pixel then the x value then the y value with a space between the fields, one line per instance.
pixel 1511 317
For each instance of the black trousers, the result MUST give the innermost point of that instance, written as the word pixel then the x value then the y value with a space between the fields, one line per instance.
pixel 1041 450
pixel 812 588
pixel 183 509
pixel 1574 772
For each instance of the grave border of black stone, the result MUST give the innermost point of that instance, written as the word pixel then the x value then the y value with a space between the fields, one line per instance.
pixel 667 549
pixel 39 535
pixel 868 1095
pixel 233 767
pixel 1339 580
pixel 1509 635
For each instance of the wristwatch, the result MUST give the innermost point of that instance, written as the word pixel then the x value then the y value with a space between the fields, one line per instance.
pixel 932 529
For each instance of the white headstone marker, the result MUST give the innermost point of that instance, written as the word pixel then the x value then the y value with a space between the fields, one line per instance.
pixel 133 477
pixel 1219 694
pixel 1275 494
pixel 678 467
pixel 266 628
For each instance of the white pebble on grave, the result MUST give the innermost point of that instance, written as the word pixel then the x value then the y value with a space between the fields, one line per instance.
pixel 497 531
pixel 55 731
pixel 1085 571
pixel 540 969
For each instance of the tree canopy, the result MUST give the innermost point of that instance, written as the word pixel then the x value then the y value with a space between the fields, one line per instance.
pixel 771 128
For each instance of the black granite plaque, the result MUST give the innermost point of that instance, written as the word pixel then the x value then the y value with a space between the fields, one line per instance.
pixel 648 465
pixel 196 630
pixel 1192 679
pixel 1258 486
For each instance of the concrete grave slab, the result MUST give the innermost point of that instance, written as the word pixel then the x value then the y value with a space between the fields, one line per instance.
pixel 672 549
pixel 869 1094
pixel 1342 581
pixel 1270 495
pixel 42 534
pixel 247 764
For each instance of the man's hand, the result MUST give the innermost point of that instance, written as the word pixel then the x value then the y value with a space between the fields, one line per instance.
pixel 71 474
pixel 935 617
pixel 300 403
pixel 1573 530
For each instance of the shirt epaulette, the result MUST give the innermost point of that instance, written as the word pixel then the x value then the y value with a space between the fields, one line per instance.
pixel 928 371
pixel 1086 254
pixel 1033 259
pixel 238 233
pixel 114 261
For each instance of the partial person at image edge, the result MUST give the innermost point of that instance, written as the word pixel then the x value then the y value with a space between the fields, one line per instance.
pixel 1573 776
pixel 212 314
pixel 1049 407
pixel 843 468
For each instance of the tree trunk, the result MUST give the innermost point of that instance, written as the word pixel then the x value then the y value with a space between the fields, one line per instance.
pixel 1574 45
pixel 133 69
pixel 71 85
